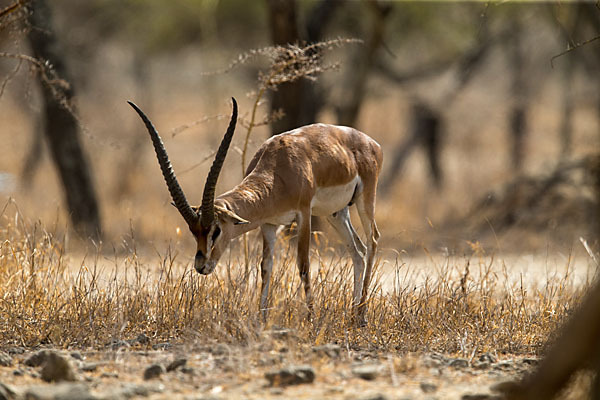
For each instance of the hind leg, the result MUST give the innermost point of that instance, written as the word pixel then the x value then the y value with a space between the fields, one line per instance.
pixel 366 211
pixel 343 226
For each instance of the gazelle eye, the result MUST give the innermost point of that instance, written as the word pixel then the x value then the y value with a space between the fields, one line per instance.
pixel 216 233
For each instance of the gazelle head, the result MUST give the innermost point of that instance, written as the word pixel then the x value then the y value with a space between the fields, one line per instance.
pixel 211 224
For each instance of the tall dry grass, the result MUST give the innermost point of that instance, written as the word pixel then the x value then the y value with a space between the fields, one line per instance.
pixel 46 299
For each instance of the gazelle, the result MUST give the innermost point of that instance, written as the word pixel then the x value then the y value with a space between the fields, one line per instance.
pixel 313 170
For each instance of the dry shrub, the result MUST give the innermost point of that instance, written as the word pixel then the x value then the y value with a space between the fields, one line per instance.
pixel 45 299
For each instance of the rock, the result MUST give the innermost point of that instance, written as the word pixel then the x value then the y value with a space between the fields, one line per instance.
pixel 459 363
pixel 504 366
pixel 292 375
pixel 329 350
pixel 154 371
pixel 36 359
pixel 7 393
pixel 89 367
pixel 488 357
pixel 57 368
pixel 178 362
pixel 76 355
pixel 5 359
pixel 61 391
pixel 427 387
pixel 367 372
pixel 376 396
pixel 188 371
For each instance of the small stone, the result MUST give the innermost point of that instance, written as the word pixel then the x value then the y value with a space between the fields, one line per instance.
pixel 36 359
pixel 504 366
pixel 329 350
pixel 367 372
pixel 57 368
pixel 18 372
pixel 292 375
pixel 109 375
pixel 459 363
pixel 154 371
pixel 5 359
pixel 76 355
pixel 89 367
pixel 178 362
pixel 427 387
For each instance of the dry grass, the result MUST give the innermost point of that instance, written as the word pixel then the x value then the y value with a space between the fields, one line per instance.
pixel 45 299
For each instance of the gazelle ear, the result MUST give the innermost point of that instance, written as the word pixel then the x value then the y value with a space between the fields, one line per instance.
pixel 227 213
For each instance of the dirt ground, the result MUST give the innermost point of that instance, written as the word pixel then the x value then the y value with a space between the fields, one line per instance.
pixel 258 371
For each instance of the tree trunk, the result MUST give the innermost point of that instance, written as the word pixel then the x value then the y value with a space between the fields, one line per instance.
pixel 518 114
pixel 60 124
pixel 352 99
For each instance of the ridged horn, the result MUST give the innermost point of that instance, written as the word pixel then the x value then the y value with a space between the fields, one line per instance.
pixel 207 214
pixel 187 212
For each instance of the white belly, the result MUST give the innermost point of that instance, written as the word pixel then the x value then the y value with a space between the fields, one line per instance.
pixel 328 200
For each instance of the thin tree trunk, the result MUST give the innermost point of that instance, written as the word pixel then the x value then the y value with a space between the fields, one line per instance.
pixel 518 114
pixel 60 125
pixel 352 99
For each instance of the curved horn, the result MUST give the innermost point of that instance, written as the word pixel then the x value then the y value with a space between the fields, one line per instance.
pixel 188 214
pixel 208 197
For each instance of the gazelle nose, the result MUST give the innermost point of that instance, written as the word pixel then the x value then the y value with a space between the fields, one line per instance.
pixel 200 264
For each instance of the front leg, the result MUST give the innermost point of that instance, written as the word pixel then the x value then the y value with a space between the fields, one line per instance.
pixel 266 266
pixel 303 221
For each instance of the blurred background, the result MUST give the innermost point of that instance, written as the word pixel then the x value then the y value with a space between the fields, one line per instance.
pixel 488 112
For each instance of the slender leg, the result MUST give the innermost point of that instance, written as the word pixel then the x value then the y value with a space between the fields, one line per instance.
pixel 266 266
pixel 303 220
pixel 343 225
pixel 366 211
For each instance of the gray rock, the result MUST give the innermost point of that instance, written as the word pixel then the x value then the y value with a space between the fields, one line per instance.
pixel 530 361
pixel 142 339
pixel 488 357
pixel 329 350
pixel 459 363
pixel 76 355
pixel 57 368
pixel 481 365
pixel 61 391
pixel 376 396
pixel 367 372
pixel 88 367
pixel 154 371
pixel 292 375
pixel 5 359
pixel 176 363
pixel 7 393
pixel 427 387
pixel 36 359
